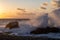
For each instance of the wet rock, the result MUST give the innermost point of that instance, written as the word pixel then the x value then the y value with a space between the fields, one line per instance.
pixel 12 25
pixel 45 30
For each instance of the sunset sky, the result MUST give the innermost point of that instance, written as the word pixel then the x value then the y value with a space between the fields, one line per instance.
pixel 28 4
pixel 10 6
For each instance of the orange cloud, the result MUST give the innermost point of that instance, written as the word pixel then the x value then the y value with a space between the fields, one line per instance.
pixel 45 4
pixel 43 8
pixel 21 9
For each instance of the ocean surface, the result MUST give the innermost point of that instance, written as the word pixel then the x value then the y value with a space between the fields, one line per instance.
pixel 25 28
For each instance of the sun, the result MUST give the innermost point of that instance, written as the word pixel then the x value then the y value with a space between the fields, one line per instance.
pixel 1 10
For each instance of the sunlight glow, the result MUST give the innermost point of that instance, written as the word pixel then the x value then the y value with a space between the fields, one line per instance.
pixel 1 10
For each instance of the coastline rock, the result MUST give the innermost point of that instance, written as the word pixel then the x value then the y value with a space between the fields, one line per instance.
pixel 45 30
pixel 12 25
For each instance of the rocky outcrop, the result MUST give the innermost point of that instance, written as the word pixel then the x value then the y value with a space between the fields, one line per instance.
pixel 45 30
pixel 12 25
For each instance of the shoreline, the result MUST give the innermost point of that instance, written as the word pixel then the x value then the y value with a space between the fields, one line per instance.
pixel 12 37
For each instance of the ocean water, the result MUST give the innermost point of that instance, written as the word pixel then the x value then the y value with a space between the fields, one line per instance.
pixel 27 26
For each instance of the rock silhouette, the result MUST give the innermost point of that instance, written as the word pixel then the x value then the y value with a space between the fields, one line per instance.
pixel 12 25
pixel 45 30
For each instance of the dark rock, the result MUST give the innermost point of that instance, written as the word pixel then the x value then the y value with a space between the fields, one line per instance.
pixel 12 25
pixel 45 30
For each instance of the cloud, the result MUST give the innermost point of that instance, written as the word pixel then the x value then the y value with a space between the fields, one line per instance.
pixel 21 9
pixel 56 3
pixel 42 7
pixel 45 4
